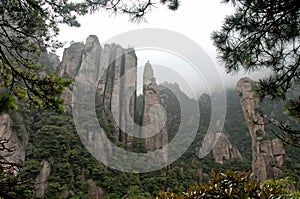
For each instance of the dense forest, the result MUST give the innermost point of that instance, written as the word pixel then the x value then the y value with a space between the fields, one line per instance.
pixel 75 173
pixel 51 110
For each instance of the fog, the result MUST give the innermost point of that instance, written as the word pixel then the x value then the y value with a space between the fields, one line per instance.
pixel 194 19
pixel 172 69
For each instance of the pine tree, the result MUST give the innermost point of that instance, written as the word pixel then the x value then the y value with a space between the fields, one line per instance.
pixel 29 28
pixel 264 35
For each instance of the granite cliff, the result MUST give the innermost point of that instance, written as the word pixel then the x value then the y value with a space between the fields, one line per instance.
pixel 90 62
pixel 224 150
pixel 265 152
pixel 152 98
pixel 116 70
pixel 107 65
pixel 13 141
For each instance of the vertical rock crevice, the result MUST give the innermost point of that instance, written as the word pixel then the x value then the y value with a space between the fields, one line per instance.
pixel 110 77
pixel 129 94
pixel 115 69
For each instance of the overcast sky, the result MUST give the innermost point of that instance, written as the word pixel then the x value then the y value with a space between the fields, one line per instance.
pixel 196 19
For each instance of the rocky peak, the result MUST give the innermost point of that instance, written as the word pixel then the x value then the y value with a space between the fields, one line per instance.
pixel 91 42
pixel 152 98
pixel 264 152
pixel 224 150
pixel 91 63
pixel 71 60
pixel 148 76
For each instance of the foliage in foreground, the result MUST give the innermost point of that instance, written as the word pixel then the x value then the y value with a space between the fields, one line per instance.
pixel 264 35
pixel 236 185
pixel 29 29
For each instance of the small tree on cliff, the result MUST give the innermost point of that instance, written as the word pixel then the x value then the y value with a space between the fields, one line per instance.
pixel 29 28
pixel 265 35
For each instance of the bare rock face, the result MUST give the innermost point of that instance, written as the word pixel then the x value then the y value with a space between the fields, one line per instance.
pixel 71 60
pixel 130 80
pixel 50 60
pixel 95 192
pixel 13 142
pixel 264 152
pixel 67 96
pixel 152 98
pixel 105 62
pixel 117 85
pixel 225 150
pixel 262 167
pixel 90 60
pixel 42 178
pixel 54 60
pixel 91 63
pixel 278 151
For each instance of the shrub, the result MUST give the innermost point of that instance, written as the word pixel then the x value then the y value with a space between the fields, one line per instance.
pixel 231 185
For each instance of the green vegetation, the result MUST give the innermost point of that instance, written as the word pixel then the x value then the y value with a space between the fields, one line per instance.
pixel 261 34
pixel 264 35
pixel 29 29
pixel 7 103
pixel 53 138
pixel 231 185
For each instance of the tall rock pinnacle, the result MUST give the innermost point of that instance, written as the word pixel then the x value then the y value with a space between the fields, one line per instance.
pixel 151 98
pixel 264 152
pixel 115 70
pixel 109 66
